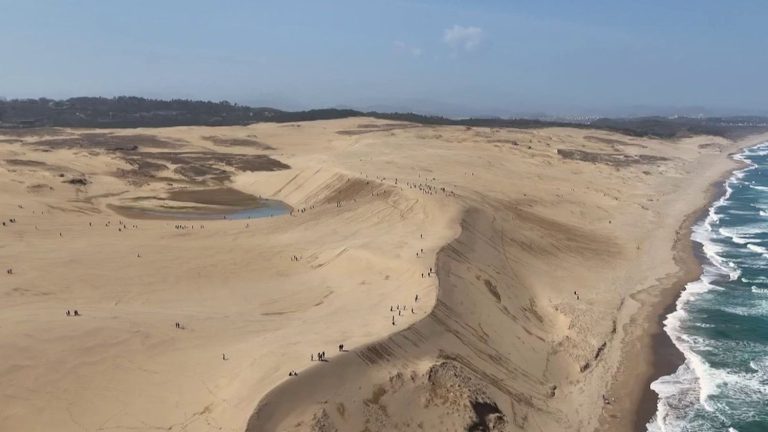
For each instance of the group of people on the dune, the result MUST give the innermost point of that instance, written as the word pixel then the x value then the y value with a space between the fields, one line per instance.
pixel 423 187
pixel 184 227
pixel 401 310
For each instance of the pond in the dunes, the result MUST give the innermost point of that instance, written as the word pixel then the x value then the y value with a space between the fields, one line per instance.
pixel 206 204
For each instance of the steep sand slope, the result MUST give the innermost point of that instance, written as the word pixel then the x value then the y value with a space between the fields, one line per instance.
pixel 535 296
pixel 519 228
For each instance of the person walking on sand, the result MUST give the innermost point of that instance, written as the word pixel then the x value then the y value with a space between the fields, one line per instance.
pixel 77 313
pixel 311 357
pixel 68 313
pixel 393 320
pixel 341 347
pixel 417 298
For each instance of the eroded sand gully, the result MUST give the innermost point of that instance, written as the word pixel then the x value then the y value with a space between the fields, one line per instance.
pixel 538 255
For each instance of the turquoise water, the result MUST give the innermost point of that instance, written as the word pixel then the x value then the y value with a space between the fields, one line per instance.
pixel 268 208
pixel 721 321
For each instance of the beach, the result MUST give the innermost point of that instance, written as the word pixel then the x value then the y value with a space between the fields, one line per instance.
pixel 507 279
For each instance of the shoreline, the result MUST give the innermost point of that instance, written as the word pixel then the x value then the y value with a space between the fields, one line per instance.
pixel 666 358
pixel 648 352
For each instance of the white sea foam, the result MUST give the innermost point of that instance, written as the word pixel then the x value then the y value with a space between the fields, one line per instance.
pixel 760 365
pixel 758 308
pixel 758 279
pixel 751 229
pixel 733 236
pixel 757 290
pixel 757 248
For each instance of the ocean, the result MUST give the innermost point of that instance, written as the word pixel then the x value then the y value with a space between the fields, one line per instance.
pixel 721 320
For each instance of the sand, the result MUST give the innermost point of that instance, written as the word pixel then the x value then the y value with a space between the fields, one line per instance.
pixel 510 228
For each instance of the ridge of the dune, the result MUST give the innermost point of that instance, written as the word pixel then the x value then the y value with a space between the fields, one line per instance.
pixel 462 364
pixel 281 400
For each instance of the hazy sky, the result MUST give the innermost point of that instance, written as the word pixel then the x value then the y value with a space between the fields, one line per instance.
pixel 476 55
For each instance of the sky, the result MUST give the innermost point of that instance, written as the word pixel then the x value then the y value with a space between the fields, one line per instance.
pixel 453 57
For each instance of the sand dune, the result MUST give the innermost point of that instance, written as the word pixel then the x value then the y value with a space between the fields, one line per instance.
pixel 546 260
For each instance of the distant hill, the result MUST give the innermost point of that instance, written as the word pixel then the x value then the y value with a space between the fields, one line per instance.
pixel 130 112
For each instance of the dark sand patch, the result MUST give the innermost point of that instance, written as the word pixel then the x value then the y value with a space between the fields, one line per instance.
pixel 239 142
pixel 26 163
pixel 613 159
pixel 32 132
pixel 107 141
pixel 504 141
pixel 370 128
pixel 710 146
pixel 77 181
pixel 611 142
pixel 39 187
pixel 196 166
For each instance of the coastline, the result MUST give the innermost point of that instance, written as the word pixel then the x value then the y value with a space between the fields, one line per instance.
pixel 648 352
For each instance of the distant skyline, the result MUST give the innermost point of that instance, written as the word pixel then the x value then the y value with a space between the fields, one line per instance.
pixel 452 57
